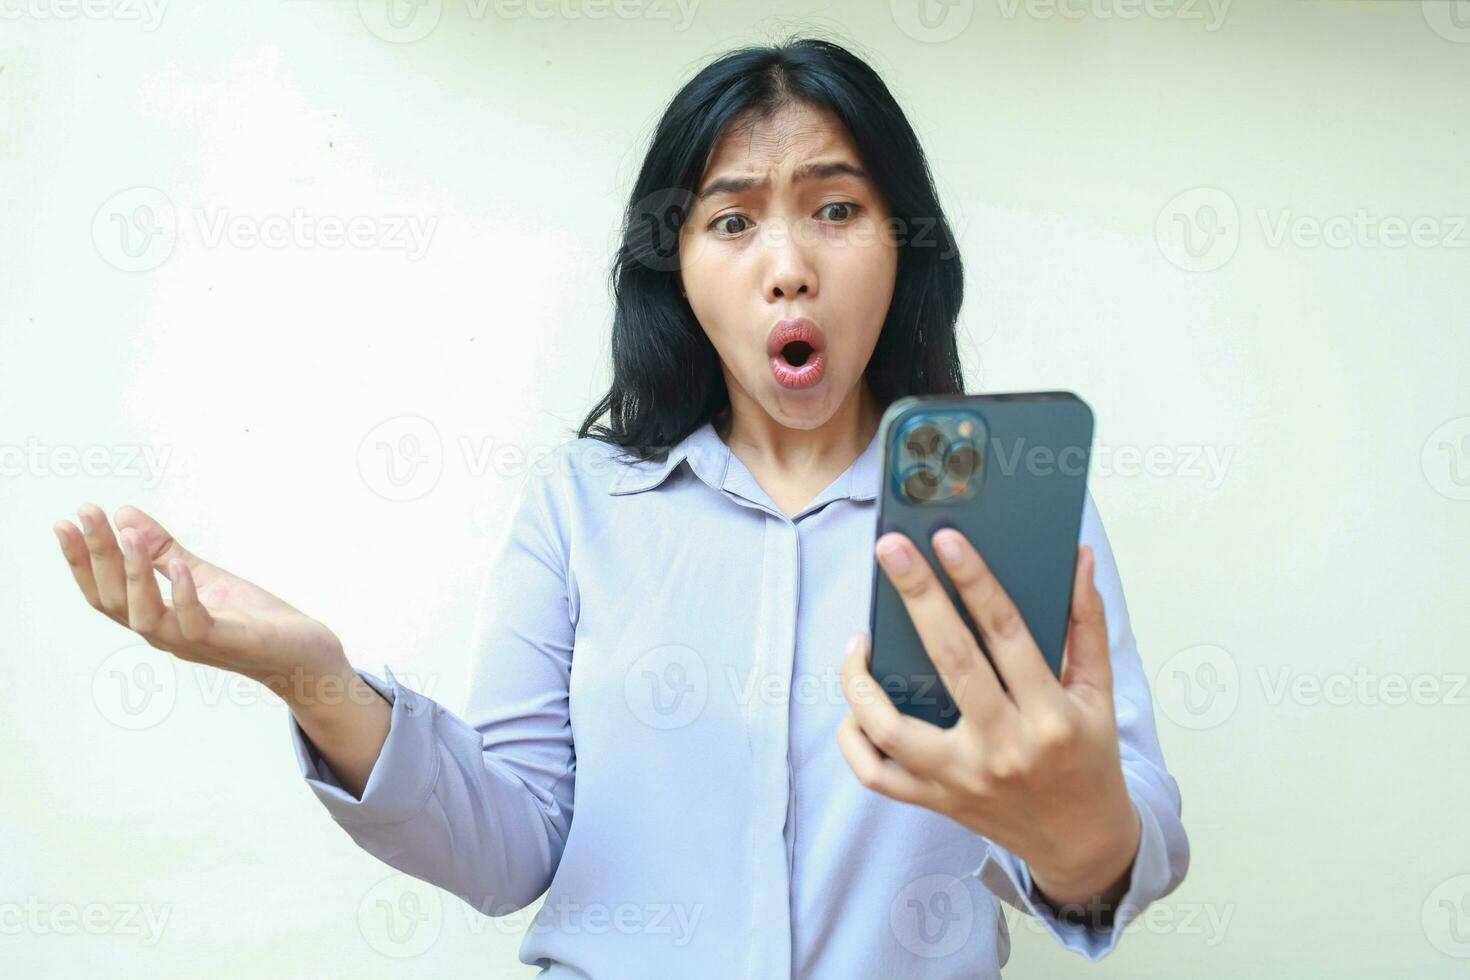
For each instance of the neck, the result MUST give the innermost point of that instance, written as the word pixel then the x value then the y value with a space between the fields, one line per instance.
pixel 751 432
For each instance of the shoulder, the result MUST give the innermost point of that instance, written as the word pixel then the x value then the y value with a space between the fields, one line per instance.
pixel 546 493
pixel 584 472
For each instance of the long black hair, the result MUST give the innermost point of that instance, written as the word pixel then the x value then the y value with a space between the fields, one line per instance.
pixel 666 374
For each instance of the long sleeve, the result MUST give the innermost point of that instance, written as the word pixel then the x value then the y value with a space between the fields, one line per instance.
pixel 1163 850
pixel 480 807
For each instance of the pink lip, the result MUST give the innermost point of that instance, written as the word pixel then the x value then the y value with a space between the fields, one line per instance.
pixel 809 373
pixel 795 378
pixel 796 328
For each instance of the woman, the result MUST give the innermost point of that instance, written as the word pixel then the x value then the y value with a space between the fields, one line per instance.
pixel 748 801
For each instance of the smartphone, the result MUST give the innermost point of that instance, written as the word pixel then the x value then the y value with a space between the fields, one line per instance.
pixel 1009 472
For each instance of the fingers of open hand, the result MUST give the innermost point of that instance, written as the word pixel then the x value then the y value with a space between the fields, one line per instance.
pixel 105 558
pixel 115 575
pixel 222 639
pixel 118 576
pixel 195 622
pixel 79 560
pixel 147 614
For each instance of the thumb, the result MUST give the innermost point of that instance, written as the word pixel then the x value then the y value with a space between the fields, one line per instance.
pixel 160 546
pixel 1087 662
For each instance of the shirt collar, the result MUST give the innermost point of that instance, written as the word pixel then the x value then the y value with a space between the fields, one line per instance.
pixel 711 460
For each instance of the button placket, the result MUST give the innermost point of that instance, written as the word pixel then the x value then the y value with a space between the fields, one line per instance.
pixel 767 729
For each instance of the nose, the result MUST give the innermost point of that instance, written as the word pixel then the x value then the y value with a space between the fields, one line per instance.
pixel 778 290
pixel 790 271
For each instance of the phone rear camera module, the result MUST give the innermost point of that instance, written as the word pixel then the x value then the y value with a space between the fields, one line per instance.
pixel 921 483
pixel 938 456
pixel 924 441
pixel 962 460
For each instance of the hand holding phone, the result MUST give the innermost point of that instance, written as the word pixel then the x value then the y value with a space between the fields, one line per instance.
pixel 1009 472
pixel 1013 629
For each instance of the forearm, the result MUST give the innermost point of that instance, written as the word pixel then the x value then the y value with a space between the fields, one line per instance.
pixel 442 806
pixel 343 717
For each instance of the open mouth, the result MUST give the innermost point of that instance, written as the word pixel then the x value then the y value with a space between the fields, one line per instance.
pixel 797 352
pixel 797 349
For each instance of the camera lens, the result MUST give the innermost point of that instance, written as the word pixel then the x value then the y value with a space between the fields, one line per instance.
pixel 923 441
pixel 921 483
pixel 962 460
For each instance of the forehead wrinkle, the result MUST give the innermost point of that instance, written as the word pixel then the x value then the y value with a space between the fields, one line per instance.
pixel 782 141
pixel 781 151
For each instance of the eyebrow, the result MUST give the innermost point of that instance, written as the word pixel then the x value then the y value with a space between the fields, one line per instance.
pixel 817 170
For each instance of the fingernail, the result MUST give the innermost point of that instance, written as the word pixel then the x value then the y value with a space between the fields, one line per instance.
pixel 894 558
pixel 853 643
pixel 947 546
pixel 86 521
pixel 127 545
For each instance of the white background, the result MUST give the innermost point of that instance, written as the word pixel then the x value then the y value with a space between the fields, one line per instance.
pixel 1279 593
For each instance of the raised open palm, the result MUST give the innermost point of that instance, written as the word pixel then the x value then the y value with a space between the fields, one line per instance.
pixel 213 617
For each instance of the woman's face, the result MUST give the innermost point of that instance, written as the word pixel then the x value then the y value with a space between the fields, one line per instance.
pixel 786 225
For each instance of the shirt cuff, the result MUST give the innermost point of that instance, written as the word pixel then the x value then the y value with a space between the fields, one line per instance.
pixel 402 778
pixel 1008 877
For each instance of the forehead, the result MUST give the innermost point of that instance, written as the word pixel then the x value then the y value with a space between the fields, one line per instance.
pixel 795 132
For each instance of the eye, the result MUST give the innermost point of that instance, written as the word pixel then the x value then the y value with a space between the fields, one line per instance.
pixel 719 224
pixel 849 209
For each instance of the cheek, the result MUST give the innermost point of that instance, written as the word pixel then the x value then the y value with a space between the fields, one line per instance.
pixel 714 301
pixel 867 274
pixel 701 287
pixel 707 296
pixel 722 287
pixel 704 265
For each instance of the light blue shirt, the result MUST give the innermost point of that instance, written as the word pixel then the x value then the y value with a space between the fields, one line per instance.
pixel 719 831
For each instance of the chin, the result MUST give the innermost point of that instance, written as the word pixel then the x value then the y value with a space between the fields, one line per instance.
pixel 801 410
